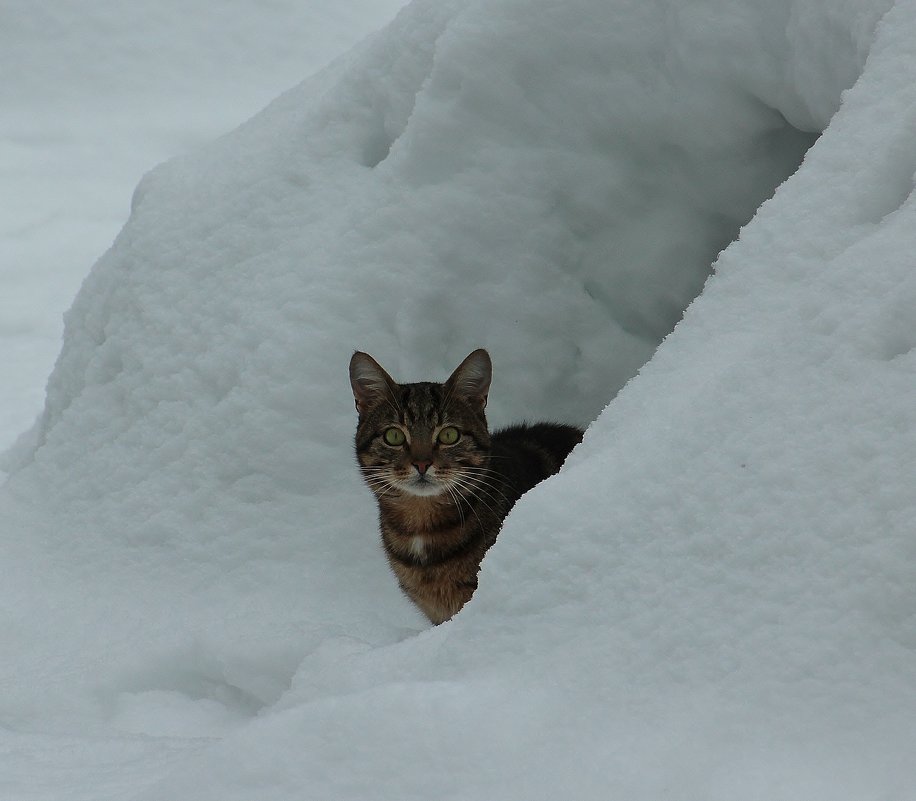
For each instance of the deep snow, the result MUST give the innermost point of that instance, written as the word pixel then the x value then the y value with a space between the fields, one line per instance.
pixel 93 96
pixel 712 601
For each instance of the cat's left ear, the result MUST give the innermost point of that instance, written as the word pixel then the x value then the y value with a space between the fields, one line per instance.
pixel 371 384
pixel 471 379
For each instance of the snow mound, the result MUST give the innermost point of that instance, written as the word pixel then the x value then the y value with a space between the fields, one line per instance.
pixel 95 93
pixel 713 598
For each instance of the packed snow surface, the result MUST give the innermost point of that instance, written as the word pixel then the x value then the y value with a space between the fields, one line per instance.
pixel 713 600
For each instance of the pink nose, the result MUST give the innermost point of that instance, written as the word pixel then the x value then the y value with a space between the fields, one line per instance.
pixel 422 467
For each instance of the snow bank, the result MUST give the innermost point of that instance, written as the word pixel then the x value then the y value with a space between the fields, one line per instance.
pixel 712 600
pixel 93 95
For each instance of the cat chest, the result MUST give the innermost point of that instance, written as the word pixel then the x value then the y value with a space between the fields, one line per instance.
pixel 414 549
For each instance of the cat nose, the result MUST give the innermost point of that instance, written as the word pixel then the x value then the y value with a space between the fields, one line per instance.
pixel 422 467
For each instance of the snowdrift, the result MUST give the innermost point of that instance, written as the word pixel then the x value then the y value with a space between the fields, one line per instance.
pixel 713 600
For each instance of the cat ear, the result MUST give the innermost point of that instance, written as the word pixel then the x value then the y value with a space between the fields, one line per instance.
pixel 471 379
pixel 371 384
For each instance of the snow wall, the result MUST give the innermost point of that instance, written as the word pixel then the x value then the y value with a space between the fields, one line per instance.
pixel 713 600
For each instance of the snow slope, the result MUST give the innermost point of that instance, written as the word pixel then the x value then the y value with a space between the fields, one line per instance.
pixel 93 95
pixel 712 601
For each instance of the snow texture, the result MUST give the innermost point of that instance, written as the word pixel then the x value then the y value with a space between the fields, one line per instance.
pixel 94 94
pixel 713 600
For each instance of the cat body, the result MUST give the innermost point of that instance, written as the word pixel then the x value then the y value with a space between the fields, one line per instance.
pixel 443 483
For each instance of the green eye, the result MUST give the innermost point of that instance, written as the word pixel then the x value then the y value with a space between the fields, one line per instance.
pixel 394 436
pixel 449 435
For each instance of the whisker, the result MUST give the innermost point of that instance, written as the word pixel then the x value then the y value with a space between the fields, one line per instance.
pixel 470 505
pixel 475 486
pixel 455 500
pixel 379 482
pixel 481 478
pixel 376 483
pixel 465 484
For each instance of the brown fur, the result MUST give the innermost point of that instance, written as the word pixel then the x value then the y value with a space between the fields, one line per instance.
pixel 441 505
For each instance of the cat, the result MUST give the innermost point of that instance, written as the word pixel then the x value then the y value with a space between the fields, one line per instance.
pixel 444 483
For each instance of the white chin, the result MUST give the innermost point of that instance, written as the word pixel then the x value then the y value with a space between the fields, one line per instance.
pixel 423 490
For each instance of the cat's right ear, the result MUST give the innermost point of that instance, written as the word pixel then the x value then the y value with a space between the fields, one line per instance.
pixel 371 384
pixel 471 379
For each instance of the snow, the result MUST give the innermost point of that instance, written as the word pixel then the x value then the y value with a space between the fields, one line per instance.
pixel 96 94
pixel 713 600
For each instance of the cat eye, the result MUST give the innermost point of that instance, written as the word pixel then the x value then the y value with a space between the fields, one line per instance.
pixel 394 436
pixel 449 435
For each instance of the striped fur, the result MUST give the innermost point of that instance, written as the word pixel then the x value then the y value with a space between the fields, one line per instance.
pixel 442 502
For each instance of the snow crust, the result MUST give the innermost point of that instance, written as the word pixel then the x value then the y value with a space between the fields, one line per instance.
pixel 713 600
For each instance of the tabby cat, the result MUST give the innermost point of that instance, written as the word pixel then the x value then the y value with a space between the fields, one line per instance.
pixel 443 483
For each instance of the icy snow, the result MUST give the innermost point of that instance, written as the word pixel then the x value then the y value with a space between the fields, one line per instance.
pixel 713 600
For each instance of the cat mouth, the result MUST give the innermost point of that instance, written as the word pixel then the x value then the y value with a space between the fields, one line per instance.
pixel 423 487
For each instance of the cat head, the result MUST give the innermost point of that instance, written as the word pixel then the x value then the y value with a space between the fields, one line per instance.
pixel 421 439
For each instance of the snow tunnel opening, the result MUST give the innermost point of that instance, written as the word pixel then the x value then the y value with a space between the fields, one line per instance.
pixel 696 216
pixel 644 244
pixel 577 205
pixel 572 257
